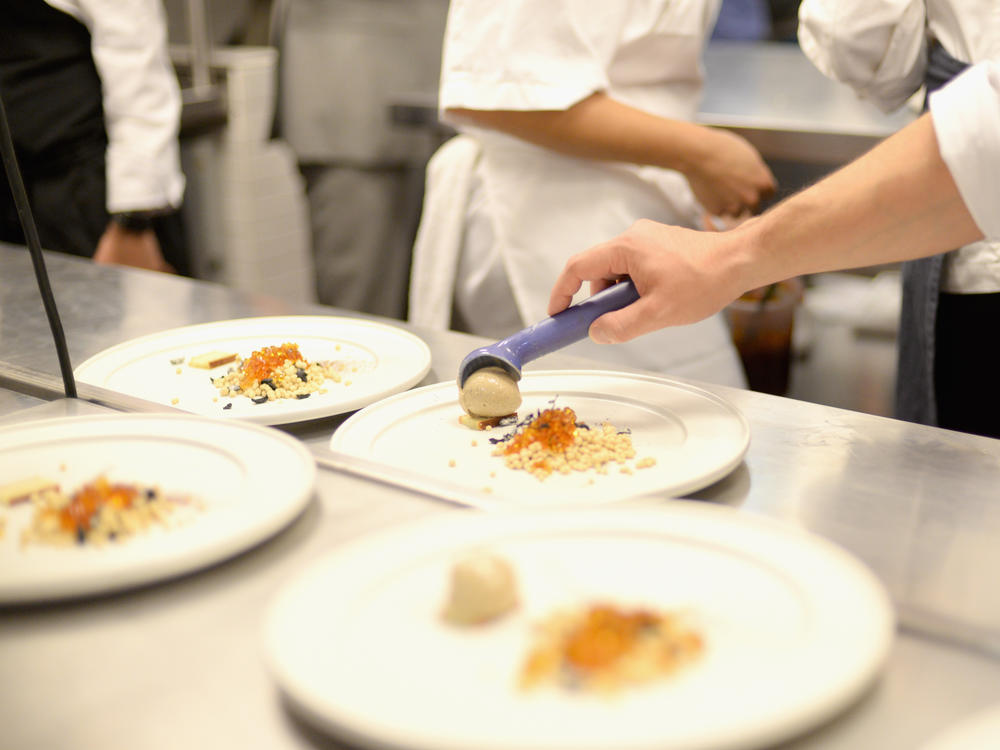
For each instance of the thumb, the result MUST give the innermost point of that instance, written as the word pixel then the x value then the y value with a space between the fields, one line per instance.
pixel 619 326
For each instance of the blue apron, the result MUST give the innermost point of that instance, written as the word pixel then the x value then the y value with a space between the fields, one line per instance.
pixel 915 400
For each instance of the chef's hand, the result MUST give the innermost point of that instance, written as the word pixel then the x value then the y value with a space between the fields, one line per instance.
pixel 682 276
pixel 138 249
pixel 727 174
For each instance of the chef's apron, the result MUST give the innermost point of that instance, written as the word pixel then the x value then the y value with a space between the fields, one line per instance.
pixel 52 94
pixel 518 241
pixel 945 375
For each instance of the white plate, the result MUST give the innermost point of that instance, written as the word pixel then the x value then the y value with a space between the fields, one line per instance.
pixel 979 731
pixel 794 630
pixel 251 481
pixel 696 438
pixel 388 360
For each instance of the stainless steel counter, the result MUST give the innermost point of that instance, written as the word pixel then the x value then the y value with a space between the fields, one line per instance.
pixel 179 664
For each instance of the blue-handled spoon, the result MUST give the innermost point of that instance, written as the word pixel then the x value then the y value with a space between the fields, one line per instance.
pixel 549 335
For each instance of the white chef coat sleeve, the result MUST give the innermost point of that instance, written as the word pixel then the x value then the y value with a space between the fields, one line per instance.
pixel 142 101
pixel 523 54
pixel 966 115
pixel 877 47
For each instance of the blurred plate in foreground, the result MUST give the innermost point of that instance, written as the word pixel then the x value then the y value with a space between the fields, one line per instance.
pixel 239 483
pixel 794 629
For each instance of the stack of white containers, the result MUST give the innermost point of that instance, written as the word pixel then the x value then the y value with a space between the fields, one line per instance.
pixel 245 206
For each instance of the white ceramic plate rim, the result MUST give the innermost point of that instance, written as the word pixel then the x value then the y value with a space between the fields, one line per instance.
pixel 288 457
pixel 711 524
pixel 99 367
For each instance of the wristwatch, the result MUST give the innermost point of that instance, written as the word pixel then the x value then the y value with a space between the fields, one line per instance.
pixel 138 221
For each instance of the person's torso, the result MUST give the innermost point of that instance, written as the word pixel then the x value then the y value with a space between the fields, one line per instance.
pixel 50 87
pixel 546 206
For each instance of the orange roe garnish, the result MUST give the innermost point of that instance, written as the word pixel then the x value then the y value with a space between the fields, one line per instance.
pixel 263 362
pixel 553 429
pixel 89 499
pixel 605 635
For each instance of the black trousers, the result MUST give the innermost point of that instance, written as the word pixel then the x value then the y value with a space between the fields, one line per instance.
pixel 965 363
pixel 70 213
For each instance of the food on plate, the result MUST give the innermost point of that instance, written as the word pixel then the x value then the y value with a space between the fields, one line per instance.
pixel 604 648
pixel 278 372
pixel 486 423
pixel 22 490
pixel 211 360
pixel 483 588
pixel 489 392
pixel 97 512
pixel 552 440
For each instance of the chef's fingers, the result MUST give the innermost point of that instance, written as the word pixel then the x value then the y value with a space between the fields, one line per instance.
pixel 625 324
pixel 562 292
pixel 602 266
pixel 599 285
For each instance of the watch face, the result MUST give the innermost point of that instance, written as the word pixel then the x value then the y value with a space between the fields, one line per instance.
pixel 134 221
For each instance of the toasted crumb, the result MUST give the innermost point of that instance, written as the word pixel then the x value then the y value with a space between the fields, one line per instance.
pixel 175 400
pixel 213 359
pixel 25 489
pixel 486 423
pixel 451 462
pixel 553 442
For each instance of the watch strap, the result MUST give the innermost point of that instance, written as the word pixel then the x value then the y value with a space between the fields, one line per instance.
pixel 138 221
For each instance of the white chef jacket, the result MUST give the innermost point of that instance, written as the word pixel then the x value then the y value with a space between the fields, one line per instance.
pixel 142 101
pixel 966 116
pixel 879 48
pixel 540 207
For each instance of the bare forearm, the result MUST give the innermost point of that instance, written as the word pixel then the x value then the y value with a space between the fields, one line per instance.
pixel 726 173
pixel 599 128
pixel 898 202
